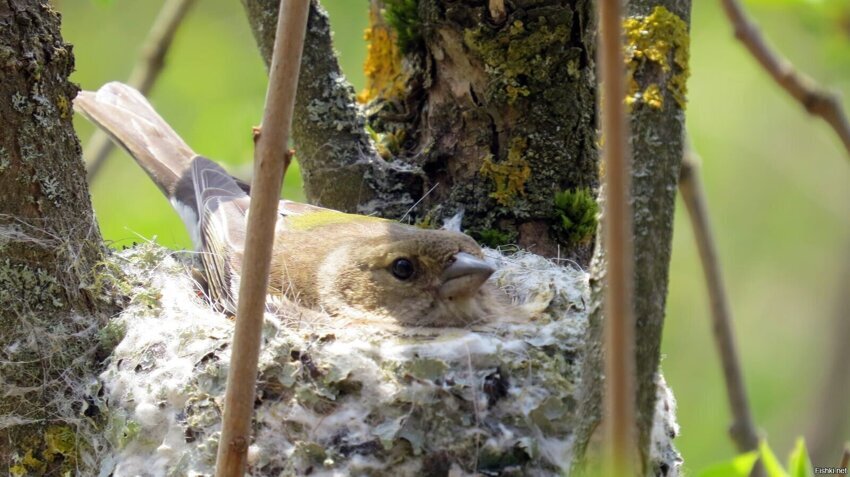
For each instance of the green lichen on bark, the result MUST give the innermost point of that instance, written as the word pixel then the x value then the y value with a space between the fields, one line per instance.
pixel 519 59
pixel 508 176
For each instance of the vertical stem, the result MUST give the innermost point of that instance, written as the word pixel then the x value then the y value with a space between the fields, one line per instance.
pixel 270 159
pixel 619 320
pixel 743 430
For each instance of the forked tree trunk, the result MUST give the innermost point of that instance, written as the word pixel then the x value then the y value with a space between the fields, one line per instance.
pixel 49 244
pixel 497 114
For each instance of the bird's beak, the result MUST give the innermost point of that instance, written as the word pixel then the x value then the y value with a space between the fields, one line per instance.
pixel 464 276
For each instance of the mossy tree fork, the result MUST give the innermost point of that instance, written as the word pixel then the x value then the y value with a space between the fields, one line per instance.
pixel 495 115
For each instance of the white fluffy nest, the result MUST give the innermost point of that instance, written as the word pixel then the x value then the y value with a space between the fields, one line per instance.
pixel 356 399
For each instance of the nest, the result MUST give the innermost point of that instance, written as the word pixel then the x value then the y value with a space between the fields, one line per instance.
pixel 336 398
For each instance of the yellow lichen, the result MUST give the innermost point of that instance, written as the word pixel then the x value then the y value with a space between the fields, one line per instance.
pixel 652 96
pixel 63 105
pixel 383 68
pixel 661 38
pixel 509 176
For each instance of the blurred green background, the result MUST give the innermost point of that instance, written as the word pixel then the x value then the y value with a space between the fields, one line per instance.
pixel 777 181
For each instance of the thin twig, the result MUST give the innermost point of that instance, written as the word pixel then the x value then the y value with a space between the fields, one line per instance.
pixel 743 430
pixel 828 424
pixel 804 89
pixel 270 159
pixel 619 320
pixel 145 73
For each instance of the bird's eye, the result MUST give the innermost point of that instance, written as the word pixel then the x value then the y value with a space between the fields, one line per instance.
pixel 402 268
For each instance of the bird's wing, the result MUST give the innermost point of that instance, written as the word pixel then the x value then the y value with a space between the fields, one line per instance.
pixel 223 207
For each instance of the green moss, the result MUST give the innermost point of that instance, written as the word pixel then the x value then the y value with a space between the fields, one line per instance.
pixel 577 211
pixel 403 17
pixel 660 38
pixel 508 176
pixel 494 238
pixel 110 335
pixel 519 56
pixel 60 441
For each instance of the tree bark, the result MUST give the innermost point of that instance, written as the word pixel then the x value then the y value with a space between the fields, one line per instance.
pixel 50 244
pixel 657 65
pixel 467 113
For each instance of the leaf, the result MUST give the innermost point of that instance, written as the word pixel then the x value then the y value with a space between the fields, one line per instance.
pixel 771 463
pixel 740 466
pixel 799 464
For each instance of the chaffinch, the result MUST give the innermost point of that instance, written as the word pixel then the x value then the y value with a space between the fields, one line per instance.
pixel 349 265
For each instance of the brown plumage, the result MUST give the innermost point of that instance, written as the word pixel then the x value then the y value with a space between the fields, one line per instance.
pixel 355 266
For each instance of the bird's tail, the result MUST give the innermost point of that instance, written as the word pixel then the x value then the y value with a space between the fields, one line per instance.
pixel 128 117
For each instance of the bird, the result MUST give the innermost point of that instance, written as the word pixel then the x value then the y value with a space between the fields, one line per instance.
pixel 346 265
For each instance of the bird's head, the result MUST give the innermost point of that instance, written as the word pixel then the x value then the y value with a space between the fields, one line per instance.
pixel 416 277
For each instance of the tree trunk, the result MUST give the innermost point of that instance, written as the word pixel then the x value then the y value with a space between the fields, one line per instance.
pixel 497 114
pixel 657 45
pixel 50 245
pixel 495 118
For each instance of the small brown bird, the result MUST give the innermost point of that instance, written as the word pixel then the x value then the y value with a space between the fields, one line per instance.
pixel 348 265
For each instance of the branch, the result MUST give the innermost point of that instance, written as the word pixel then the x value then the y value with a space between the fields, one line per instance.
pixel 144 75
pixel 828 423
pixel 804 89
pixel 845 457
pixel 743 430
pixel 619 326
pixel 270 159
pixel 340 167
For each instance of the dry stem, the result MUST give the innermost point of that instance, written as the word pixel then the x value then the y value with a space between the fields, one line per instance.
pixel 743 430
pixel 813 97
pixel 144 75
pixel 270 159
pixel 619 414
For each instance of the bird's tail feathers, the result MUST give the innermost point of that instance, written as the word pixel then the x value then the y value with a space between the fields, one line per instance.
pixel 128 117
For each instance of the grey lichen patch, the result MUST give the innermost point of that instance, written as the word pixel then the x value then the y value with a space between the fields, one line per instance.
pixel 20 103
pixel 41 289
pixel 4 159
pixel 335 105
pixel 51 188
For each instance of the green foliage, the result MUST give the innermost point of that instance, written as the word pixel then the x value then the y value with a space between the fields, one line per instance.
pixel 493 238
pixel 799 464
pixel 740 466
pixel 403 16
pixel 577 211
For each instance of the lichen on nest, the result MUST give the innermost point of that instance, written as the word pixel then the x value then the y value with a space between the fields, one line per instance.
pixel 336 398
